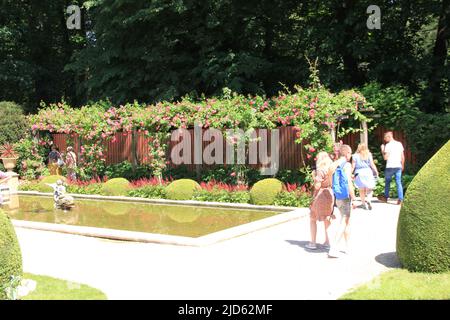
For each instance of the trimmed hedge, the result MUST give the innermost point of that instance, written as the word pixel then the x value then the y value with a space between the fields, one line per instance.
pixel 423 235
pixel 10 255
pixel 182 189
pixel 13 123
pixel 116 187
pixel 42 187
pixel 264 192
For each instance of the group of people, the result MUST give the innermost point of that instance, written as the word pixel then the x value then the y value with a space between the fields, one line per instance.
pixel 334 187
pixel 58 160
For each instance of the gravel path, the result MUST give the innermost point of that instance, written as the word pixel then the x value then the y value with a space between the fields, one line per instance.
pixel 268 264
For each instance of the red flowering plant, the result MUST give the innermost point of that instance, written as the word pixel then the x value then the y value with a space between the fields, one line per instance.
pixel 217 185
pixel 154 181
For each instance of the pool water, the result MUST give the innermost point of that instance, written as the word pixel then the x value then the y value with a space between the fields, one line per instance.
pixel 179 220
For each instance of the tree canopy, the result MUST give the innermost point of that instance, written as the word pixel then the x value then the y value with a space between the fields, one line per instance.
pixel 165 49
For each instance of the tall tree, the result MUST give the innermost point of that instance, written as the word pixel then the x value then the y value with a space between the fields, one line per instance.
pixel 439 60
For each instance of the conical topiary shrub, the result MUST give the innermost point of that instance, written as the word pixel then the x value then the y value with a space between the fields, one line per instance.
pixel 10 256
pixel 423 235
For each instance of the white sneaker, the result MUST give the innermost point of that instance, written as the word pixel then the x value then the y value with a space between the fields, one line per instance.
pixel 311 246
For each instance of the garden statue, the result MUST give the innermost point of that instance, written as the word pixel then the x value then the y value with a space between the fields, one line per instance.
pixel 61 199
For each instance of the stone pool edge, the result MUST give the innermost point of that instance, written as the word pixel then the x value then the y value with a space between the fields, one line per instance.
pixel 206 204
pixel 288 214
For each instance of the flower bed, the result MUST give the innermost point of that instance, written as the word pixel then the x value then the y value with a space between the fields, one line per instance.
pixel 292 195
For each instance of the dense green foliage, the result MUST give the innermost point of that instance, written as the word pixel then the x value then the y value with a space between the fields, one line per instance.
pixel 265 192
pixel 125 170
pixel 13 124
pixel 35 47
pixel 292 199
pixel 212 191
pixel 163 50
pixel 380 184
pixel 182 189
pixel 10 257
pixel 32 158
pixel 217 195
pixel 397 108
pixel 423 237
pixel 116 187
pixel 151 192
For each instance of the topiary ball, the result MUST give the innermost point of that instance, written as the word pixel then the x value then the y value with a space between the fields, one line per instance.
pixel 265 191
pixel 10 255
pixel 43 187
pixel 182 189
pixel 423 232
pixel 116 187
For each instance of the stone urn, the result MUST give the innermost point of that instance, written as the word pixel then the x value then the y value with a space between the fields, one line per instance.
pixel 9 163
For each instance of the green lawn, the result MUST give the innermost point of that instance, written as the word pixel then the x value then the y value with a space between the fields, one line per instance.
pixel 403 285
pixel 55 289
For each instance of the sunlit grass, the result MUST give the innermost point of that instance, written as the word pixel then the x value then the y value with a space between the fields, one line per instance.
pixel 403 285
pixel 55 289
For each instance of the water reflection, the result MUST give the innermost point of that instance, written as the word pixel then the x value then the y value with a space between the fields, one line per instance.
pixel 163 219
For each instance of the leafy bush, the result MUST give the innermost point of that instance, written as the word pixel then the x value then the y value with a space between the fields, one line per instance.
pixel 178 172
pixel 10 256
pixel 125 170
pixel 292 199
pixel 32 157
pixel 13 124
pixel 380 183
pixel 182 189
pixel 291 176
pixel 116 187
pixel 264 192
pixel 398 110
pixel 217 195
pixel 149 191
pixel 225 174
pixel 93 188
pixel 395 105
pixel 427 134
pixel 29 186
pixel 423 237
pixel 231 174
pixel 43 187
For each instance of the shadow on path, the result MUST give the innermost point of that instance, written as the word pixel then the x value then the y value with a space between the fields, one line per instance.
pixel 302 244
pixel 388 259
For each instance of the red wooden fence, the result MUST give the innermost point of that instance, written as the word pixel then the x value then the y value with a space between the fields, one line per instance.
pixel 290 153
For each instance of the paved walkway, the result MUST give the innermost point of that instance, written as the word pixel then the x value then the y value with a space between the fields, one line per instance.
pixel 268 264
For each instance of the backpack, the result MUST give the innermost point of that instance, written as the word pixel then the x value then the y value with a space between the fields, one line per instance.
pixel 340 183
